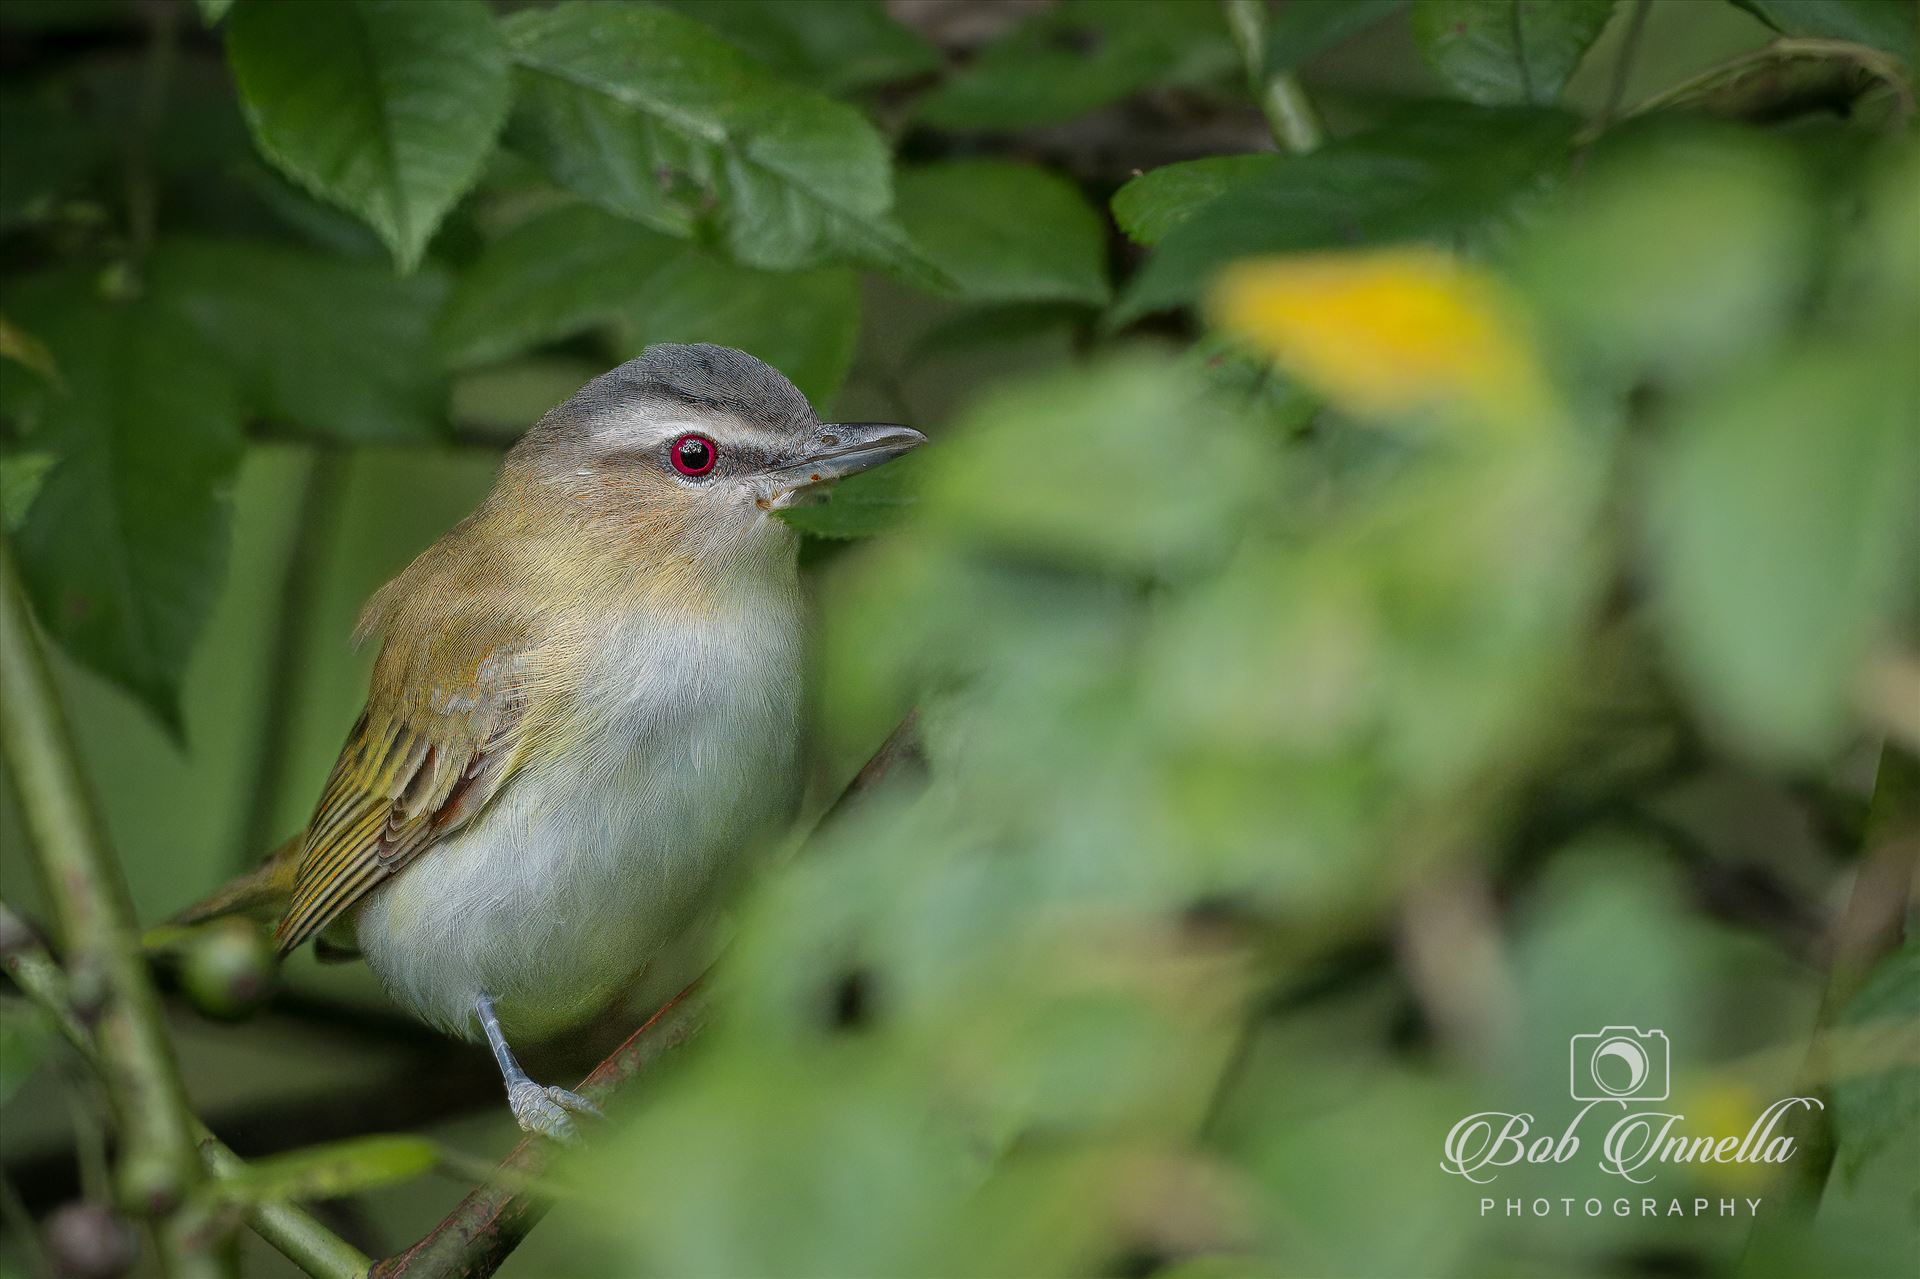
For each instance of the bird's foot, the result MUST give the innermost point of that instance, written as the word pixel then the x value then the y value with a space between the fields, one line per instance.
pixel 548 1111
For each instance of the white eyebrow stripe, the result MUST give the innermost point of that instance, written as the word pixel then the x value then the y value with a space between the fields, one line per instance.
pixel 635 431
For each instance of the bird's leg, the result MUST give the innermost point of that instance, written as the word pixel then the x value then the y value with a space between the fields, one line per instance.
pixel 541 1109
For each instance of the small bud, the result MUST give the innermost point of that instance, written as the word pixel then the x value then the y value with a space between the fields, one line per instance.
pixel 88 1241
pixel 227 969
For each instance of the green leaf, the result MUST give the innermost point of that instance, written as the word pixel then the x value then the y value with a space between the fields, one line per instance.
pixel 834 46
pixel 387 108
pixel 1078 57
pixel 1888 25
pixel 1497 51
pixel 1436 174
pixel 331 1171
pixel 1159 200
pixel 1684 251
pixel 25 1036
pixel 211 11
pixel 1303 29
pixel 864 505
pixel 577 268
pixel 1782 517
pixel 1006 232
pixel 339 350
pixel 21 475
pixel 555 275
pixel 124 548
pixel 653 116
pixel 1877 1111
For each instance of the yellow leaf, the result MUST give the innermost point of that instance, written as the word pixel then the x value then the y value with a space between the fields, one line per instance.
pixel 1390 333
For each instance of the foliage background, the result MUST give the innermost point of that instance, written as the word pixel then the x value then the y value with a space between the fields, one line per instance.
pixel 1312 749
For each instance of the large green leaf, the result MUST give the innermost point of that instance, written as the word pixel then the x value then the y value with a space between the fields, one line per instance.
pixel 339 350
pixel 653 116
pixel 1078 57
pixel 831 45
pixel 1782 522
pixel 1437 173
pixel 1159 200
pixel 1889 25
pixel 1006 232
pixel 1304 28
pixel 1507 50
pixel 385 107
pixel 579 267
pixel 553 276
pixel 124 547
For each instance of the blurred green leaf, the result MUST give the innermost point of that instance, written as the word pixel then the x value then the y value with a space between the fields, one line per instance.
pixel 864 505
pixel 25 1036
pixel 385 107
pixel 330 1171
pixel 834 46
pixel 1682 252
pixel 1782 524
pixel 1877 1111
pixel 338 350
pixel 1027 325
pixel 21 476
pixel 1437 174
pixel 1006 232
pixel 1888 25
pixel 653 116
pixel 1134 429
pixel 1078 57
pixel 45 150
pixel 211 11
pixel 124 548
pixel 1303 29
pixel 1159 200
pixel 1498 51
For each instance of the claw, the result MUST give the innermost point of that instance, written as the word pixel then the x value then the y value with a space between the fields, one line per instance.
pixel 543 1110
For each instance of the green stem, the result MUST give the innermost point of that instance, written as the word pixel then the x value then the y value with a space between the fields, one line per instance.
pixel 1294 123
pixel 296 1233
pixel 158 1168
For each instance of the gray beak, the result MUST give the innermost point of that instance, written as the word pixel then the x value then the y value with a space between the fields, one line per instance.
pixel 840 449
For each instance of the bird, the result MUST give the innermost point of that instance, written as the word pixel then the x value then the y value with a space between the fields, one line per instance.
pixel 585 709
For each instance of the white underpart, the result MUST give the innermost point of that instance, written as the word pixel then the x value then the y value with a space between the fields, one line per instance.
pixel 578 875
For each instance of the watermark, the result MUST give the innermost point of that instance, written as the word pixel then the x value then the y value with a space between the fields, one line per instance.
pixel 1625 1067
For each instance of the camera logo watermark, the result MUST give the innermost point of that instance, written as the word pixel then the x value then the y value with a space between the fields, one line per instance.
pixel 1630 1068
pixel 1621 1063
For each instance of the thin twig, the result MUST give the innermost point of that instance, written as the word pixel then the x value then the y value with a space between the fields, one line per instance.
pixel 158 1166
pixel 1290 115
pixel 492 1220
pixel 295 1232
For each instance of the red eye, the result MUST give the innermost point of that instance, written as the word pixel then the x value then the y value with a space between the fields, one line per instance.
pixel 693 454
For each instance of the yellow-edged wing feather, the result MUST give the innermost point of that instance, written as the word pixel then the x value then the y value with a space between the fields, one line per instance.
pixel 415 769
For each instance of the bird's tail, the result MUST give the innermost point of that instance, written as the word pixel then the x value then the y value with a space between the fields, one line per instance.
pixel 261 894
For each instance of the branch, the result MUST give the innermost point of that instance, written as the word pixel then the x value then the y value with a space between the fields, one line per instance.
pixel 492 1220
pixel 472 1241
pixel 1290 116
pixel 158 1165
pixel 291 1229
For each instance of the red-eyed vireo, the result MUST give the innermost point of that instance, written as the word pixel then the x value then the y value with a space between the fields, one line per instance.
pixel 586 705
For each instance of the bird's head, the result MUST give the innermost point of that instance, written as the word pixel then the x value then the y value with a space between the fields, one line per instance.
pixel 695 447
